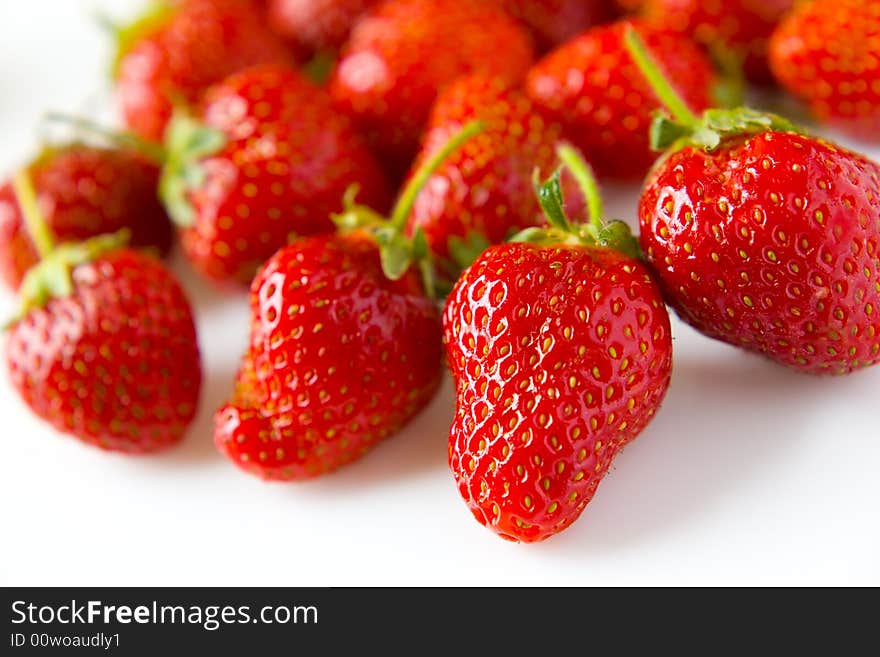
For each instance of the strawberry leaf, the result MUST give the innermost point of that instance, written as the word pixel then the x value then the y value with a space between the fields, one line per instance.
pixel 551 200
pixel 51 277
pixel 188 143
pixel 465 251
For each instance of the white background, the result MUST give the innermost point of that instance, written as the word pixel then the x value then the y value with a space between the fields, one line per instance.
pixel 751 474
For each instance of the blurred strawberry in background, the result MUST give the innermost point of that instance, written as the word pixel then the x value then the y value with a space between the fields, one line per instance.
pixel 827 53
pixel 268 160
pixel 593 88
pixel 403 52
pixel 316 25
pixel 483 193
pixel 84 191
pixel 555 21
pixel 179 48
pixel 736 31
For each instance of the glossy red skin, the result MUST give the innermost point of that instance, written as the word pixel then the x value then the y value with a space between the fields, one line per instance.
pixel 83 192
pixel 288 161
pixel 594 89
pixel 561 356
pixel 556 21
pixel 115 364
pixel 173 63
pixel 742 27
pixel 316 24
pixel 743 256
pixel 403 52
pixel 828 54
pixel 484 188
pixel 340 358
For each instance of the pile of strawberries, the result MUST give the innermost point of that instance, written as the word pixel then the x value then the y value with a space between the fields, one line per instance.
pixel 269 138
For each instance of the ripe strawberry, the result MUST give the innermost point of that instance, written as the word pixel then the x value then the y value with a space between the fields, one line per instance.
pixel 316 24
pixel 766 238
pixel 482 194
pixel 269 161
pixel 105 347
pixel 180 48
pixel 404 51
pixel 561 354
pixel 345 345
pixel 592 86
pixel 740 28
pixel 828 54
pixel 556 21
pixel 340 358
pixel 83 192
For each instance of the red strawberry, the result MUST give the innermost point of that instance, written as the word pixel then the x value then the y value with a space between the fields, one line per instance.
pixel 482 194
pixel 83 192
pixel 316 24
pixel 105 348
pixel 269 161
pixel 741 28
pixel 767 239
pixel 561 354
pixel 828 54
pixel 340 358
pixel 180 48
pixel 556 21
pixel 404 51
pixel 345 346
pixel 592 86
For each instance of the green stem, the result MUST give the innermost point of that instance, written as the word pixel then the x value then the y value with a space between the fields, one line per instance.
pixel 586 181
pixel 151 151
pixel 34 221
pixel 404 205
pixel 650 68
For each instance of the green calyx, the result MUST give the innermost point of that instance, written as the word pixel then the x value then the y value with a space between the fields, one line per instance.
pixel 680 127
pixel 51 278
pixel 713 127
pixel 399 252
pixel 126 36
pixel 319 68
pixel 188 142
pixel 596 232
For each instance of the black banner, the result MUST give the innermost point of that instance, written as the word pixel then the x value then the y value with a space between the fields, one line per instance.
pixel 257 622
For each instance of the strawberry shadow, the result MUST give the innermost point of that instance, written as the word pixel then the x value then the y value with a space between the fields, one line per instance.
pixel 704 449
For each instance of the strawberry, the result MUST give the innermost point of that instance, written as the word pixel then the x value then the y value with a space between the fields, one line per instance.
pixel 561 355
pixel 105 346
pixel 268 161
pixel 181 47
pixel 482 194
pixel 83 192
pixel 556 21
pixel 592 86
pixel 316 25
pixel 828 54
pixel 345 346
pixel 737 28
pixel 340 357
pixel 404 51
pixel 765 238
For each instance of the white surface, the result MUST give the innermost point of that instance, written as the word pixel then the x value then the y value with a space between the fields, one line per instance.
pixel 750 474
